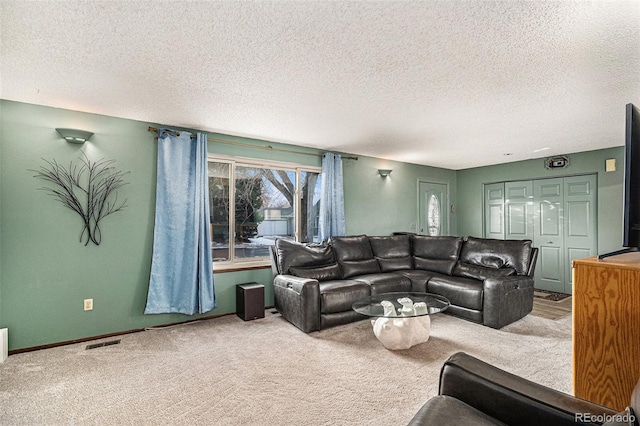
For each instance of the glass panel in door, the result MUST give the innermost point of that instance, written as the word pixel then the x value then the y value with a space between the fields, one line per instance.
pixel 433 214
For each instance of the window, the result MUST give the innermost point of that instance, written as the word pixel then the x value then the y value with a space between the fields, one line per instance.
pixel 254 203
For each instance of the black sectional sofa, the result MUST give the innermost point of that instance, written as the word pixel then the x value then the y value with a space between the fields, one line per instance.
pixel 487 281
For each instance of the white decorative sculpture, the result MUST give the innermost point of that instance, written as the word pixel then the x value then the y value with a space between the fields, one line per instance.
pixel 407 307
pixel 423 318
pixel 389 309
pixel 396 332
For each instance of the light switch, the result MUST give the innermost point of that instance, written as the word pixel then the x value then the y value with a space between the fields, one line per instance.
pixel 610 165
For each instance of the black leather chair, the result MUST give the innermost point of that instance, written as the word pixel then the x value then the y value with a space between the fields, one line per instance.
pixel 473 392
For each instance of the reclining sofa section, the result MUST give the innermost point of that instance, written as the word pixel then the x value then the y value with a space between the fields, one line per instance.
pixel 487 281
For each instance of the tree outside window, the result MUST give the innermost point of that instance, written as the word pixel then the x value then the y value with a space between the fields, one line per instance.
pixel 265 207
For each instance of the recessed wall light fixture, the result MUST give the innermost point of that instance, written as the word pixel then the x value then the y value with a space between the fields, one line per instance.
pixel 75 135
pixel 384 172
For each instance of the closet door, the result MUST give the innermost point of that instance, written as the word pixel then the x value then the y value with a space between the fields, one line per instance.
pixel 548 195
pixel 494 211
pixel 558 215
pixel 518 210
pixel 581 228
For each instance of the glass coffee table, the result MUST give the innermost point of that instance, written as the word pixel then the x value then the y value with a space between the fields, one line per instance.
pixel 402 318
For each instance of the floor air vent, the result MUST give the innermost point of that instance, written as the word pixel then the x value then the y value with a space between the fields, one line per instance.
pixel 99 345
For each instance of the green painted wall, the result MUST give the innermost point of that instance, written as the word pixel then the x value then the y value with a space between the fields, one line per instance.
pixel 377 206
pixel 46 273
pixel 610 190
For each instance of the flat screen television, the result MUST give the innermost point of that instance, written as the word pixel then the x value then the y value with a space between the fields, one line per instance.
pixel 631 208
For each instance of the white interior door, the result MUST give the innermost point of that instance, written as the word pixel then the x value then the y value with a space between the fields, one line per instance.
pixel 494 210
pixel 558 214
pixel 581 228
pixel 549 234
pixel 518 211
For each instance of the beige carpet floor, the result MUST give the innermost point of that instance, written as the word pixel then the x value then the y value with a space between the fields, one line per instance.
pixel 265 372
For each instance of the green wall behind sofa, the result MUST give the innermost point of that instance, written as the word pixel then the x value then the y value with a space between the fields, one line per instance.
pixel 45 273
pixel 380 206
pixel 610 190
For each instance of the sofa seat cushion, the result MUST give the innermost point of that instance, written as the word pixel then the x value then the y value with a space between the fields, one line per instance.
pixel 419 278
pixel 340 295
pixel 385 283
pixel 438 254
pixel 490 253
pixel 395 264
pixel 445 410
pixel 465 292
pixel 481 272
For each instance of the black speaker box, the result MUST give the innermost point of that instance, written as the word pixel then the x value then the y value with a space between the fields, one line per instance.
pixel 250 301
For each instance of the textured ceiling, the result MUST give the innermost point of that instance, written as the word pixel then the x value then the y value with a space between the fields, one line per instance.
pixel 442 83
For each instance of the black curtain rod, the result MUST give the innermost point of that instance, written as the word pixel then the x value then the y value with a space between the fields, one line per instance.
pixel 246 145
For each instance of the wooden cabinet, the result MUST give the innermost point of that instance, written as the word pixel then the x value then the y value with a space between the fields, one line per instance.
pixel 606 329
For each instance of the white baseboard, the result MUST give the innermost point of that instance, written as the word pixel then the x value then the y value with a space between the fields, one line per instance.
pixel 4 344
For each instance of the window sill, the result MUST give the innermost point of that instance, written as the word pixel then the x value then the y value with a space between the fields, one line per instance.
pixel 236 267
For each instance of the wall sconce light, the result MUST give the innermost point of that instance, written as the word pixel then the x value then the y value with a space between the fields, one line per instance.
pixel 384 172
pixel 74 135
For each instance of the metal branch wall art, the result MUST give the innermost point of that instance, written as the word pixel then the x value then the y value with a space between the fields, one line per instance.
pixel 90 189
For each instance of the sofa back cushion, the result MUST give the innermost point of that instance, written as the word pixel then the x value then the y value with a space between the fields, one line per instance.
pixel 291 254
pixel 437 254
pixel 393 253
pixel 497 254
pixel 354 255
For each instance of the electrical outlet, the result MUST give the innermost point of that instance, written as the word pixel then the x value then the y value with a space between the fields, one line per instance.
pixel 88 304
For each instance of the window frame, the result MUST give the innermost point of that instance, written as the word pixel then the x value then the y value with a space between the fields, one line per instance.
pixel 233 161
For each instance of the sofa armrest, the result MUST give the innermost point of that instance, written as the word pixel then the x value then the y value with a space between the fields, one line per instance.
pixel 512 399
pixel 506 299
pixel 298 300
